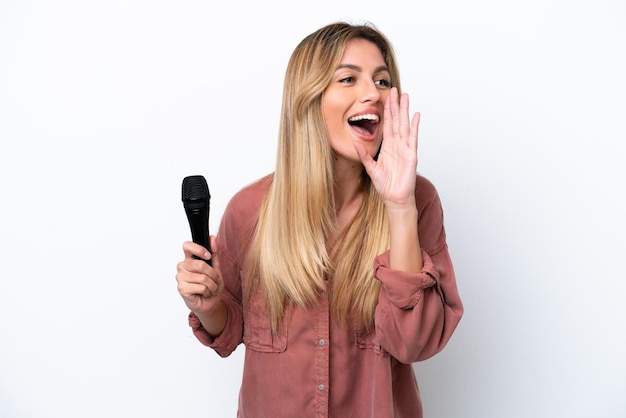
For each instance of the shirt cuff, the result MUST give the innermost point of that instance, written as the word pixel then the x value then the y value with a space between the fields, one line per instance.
pixel 199 331
pixel 405 289
pixel 225 343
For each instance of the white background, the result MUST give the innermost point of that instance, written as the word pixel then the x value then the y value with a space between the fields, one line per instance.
pixel 106 105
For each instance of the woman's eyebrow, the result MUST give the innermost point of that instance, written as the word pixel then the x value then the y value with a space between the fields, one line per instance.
pixel 359 69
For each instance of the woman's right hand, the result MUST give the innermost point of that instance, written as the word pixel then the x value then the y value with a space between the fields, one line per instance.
pixel 200 284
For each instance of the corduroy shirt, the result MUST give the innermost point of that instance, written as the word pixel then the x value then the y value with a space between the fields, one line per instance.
pixel 314 367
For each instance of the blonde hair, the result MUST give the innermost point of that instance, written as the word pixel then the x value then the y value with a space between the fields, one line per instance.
pixel 290 252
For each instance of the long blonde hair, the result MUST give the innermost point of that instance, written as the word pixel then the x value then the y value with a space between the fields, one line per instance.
pixel 290 252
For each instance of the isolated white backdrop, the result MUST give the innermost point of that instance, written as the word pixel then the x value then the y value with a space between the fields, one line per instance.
pixel 106 105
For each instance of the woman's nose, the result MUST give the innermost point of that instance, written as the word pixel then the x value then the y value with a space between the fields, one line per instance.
pixel 370 93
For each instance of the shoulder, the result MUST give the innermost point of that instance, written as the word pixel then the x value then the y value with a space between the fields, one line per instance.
pixel 425 191
pixel 239 219
pixel 430 219
pixel 247 200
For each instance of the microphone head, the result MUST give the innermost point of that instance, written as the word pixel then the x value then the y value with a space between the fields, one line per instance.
pixel 195 190
pixel 195 196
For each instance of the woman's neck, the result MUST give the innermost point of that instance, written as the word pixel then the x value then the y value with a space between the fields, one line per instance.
pixel 347 183
pixel 348 198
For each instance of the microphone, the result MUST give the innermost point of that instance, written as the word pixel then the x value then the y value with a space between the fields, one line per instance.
pixel 196 198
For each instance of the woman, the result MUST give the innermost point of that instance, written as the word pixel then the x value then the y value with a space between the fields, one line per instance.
pixel 333 270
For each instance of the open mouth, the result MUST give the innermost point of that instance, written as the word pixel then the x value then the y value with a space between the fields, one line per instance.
pixel 365 125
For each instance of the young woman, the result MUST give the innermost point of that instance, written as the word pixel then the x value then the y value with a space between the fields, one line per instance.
pixel 334 269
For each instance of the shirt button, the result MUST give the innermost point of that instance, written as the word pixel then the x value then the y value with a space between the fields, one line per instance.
pixel 322 342
pixel 321 387
pixel 322 294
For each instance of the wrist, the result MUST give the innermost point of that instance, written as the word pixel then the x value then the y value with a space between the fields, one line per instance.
pixel 214 319
pixel 401 212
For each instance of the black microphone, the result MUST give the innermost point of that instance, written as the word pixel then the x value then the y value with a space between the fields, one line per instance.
pixel 196 198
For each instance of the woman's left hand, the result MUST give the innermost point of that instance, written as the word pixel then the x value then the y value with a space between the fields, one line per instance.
pixel 393 172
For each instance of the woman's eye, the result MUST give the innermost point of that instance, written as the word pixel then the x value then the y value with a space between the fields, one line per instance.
pixel 383 83
pixel 347 80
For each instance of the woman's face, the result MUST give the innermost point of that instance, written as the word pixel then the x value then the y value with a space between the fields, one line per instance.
pixel 352 104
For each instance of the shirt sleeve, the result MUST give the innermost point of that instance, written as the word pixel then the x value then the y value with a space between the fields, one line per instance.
pixel 230 338
pixel 228 239
pixel 417 313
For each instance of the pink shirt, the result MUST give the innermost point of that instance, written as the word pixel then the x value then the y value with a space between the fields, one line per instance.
pixel 314 367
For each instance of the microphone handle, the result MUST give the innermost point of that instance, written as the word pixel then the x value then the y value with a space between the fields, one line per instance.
pixel 199 223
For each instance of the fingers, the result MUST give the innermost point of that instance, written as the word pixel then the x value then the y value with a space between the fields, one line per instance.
pixel 215 260
pixel 388 129
pixel 415 122
pixel 366 159
pixel 192 249
pixel 196 287
pixel 214 249
pixel 195 276
pixel 404 128
pixel 189 289
pixel 396 117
